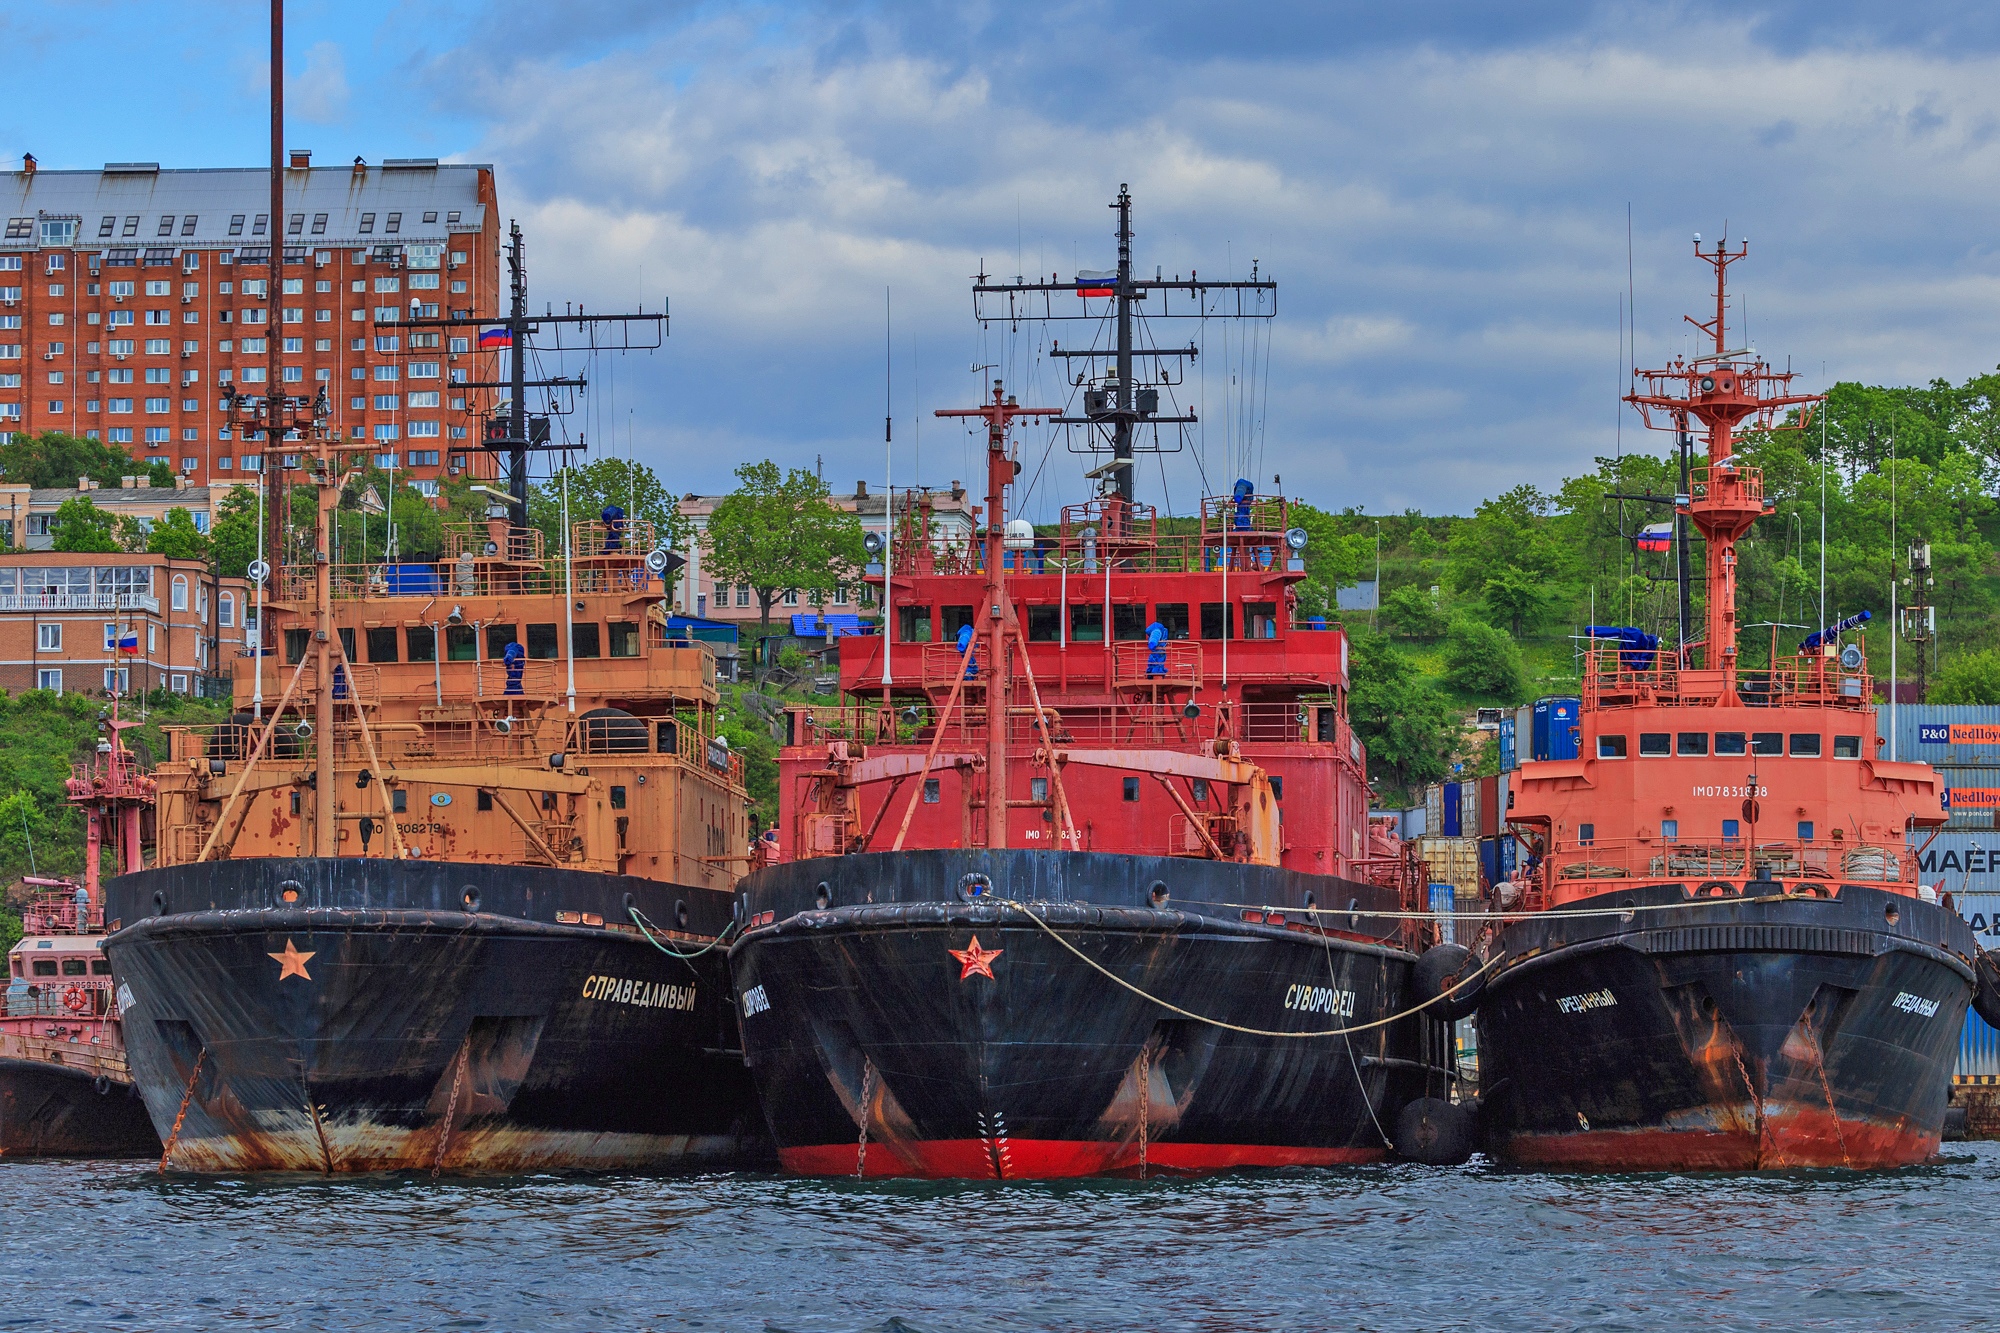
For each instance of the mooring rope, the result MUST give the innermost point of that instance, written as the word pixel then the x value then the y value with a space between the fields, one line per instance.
pixel 639 920
pixel 1232 1027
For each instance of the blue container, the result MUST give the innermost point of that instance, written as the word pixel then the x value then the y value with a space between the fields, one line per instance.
pixel 1507 764
pixel 1489 861
pixel 1444 899
pixel 1555 727
pixel 1451 820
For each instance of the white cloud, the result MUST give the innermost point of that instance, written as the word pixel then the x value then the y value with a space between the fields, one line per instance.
pixel 1447 230
pixel 318 91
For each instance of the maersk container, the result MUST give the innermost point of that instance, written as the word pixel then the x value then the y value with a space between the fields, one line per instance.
pixel 1556 727
pixel 1947 735
pixel 1978 1048
pixel 1965 863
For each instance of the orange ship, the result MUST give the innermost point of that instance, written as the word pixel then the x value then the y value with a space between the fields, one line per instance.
pixel 1724 958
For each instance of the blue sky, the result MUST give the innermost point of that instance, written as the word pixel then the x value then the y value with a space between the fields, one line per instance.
pixel 1439 189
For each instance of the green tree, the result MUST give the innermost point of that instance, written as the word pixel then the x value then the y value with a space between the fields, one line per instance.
pixel 1410 728
pixel 1484 662
pixel 53 459
pixel 1968 678
pixel 233 534
pixel 1413 613
pixel 778 531
pixel 631 486
pixel 80 525
pixel 159 474
pixel 176 537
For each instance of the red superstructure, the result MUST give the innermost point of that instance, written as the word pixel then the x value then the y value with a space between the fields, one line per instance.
pixel 1189 743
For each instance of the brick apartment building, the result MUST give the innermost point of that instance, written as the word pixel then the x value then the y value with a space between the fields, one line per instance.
pixel 62 616
pixel 131 296
pixel 954 519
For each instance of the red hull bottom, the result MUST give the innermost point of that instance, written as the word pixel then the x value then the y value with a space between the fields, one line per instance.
pixel 1795 1138
pixel 1051 1159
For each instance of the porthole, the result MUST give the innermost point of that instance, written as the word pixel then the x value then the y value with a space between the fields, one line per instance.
pixel 471 899
pixel 681 913
pixel 973 887
pixel 1890 914
pixel 1158 894
pixel 290 890
pixel 823 896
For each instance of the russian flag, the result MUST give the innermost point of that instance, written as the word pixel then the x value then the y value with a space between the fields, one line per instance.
pixel 489 339
pixel 1095 282
pixel 1656 537
pixel 128 642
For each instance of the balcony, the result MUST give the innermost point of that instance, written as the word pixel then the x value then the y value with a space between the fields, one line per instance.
pixel 70 601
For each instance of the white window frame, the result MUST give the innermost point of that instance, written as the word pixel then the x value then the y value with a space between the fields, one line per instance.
pixel 48 637
pixel 180 593
pixel 50 679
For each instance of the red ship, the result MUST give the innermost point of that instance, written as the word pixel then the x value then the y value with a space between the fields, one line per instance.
pixel 65 1089
pixel 1727 961
pixel 1079 878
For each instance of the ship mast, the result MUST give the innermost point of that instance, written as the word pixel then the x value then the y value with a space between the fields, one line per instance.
pixel 997 610
pixel 1119 404
pixel 1728 390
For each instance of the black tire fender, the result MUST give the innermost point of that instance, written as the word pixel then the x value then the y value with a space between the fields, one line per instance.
pixel 1441 967
pixel 1435 1132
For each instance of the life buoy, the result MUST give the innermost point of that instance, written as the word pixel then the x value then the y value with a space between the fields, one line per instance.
pixel 75 1000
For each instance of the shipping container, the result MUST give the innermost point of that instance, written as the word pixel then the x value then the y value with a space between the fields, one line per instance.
pixel 1508 760
pixel 1453 861
pixel 1978 1049
pixel 1410 823
pixel 1556 727
pixel 1452 823
pixel 1966 864
pixel 1434 810
pixel 1489 806
pixel 1947 735
pixel 1443 899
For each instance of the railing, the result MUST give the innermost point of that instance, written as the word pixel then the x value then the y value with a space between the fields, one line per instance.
pixel 1615 676
pixel 1138 724
pixel 628 538
pixel 1727 479
pixel 1175 663
pixel 49 997
pixel 1577 865
pixel 88 601
pixel 478 541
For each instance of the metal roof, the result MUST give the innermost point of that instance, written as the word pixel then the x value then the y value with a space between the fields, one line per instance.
pixel 123 190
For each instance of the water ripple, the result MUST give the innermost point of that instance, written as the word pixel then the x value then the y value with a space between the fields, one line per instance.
pixel 114 1246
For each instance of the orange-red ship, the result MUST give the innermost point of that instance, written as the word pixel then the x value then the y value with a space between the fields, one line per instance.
pixel 1726 960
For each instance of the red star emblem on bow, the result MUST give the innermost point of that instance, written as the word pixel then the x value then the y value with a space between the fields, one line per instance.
pixel 977 962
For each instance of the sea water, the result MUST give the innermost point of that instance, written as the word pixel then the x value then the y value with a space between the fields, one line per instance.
pixel 92 1245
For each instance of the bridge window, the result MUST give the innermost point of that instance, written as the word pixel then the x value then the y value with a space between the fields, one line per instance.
pixel 1131 789
pixel 1655 743
pixel 76 967
pixel 1173 617
pixel 1586 834
pixel 1218 620
pixel 1731 742
pixel 1277 788
pixel 1610 747
pixel 399 801
pixel 931 795
pixel 617 798
pixel 913 624
pixel 461 643
pixel 1086 624
pixel 583 640
pixel 1200 789
pixel 1805 746
pixel 1044 624
pixel 382 645
pixel 1846 747
pixel 1670 829
pixel 484 801
pixel 100 967
pixel 347 642
pixel 422 642
pixel 543 642
pixel 1731 830
pixel 1767 742
pixel 1691 743
pixel 624 638
pixel 1261 618
pixel 1128 623
pixel 45 967
pixel 1805 830
pixel 497 639
pixel 295 645
pixel 956 618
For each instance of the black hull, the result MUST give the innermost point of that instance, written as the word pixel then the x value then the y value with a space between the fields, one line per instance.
pixel 47 1110
pixel 1018 1059
pixel 1725 1034
pixel 422 1035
